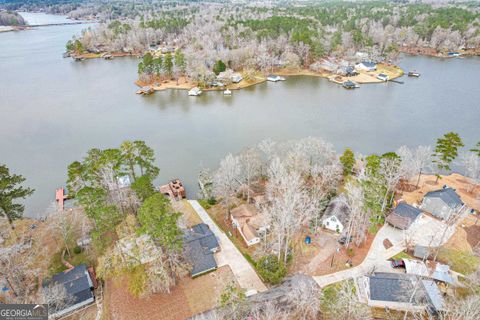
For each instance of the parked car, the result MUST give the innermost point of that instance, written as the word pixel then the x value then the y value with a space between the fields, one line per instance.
pixel 398 263
pixel 345 240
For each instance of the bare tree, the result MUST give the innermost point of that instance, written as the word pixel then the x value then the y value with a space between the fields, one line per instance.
pixel 56 297
pixel 471 161
pixel 345 304
pixel 464 309
pixel 358 222
pixel 250 164
pixel 63 223
pixel 289 205
pixel 227 179
pixel 414 161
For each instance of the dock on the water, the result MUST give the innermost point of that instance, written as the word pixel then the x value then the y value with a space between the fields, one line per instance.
pixel 60 198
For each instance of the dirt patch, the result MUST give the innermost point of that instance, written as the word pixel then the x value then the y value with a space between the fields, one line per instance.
pixel 189 297
pixel 463 186
pixel 338 260
pixel 189 215
pixel 473 235
pixel 459 241
pixel 308 257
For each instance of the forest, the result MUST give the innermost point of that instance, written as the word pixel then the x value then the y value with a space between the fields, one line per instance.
pixel 258 37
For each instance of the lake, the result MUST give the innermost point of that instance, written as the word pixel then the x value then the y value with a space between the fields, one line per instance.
pixel 52 110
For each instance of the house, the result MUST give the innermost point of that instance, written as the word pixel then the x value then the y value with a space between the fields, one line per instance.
pixel 383 77
pixel 442 203
pixel 200 245
pixel 399 291
pixel 366 66
pixel 79 286
pixel 247 220
pixel 403 216
pixel 336 215
pixel 236 78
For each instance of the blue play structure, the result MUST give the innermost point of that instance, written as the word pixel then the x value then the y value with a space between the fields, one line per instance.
pixel 308 240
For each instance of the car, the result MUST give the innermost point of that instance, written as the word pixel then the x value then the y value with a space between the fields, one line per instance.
pixel 345 240
pixel 398 263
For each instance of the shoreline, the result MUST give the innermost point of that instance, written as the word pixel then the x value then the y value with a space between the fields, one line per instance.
pixel 364 77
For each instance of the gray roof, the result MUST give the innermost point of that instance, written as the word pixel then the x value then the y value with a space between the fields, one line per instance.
pixel 448 195
pixel 399 287
pixel 407 211
pixel 339 208
pixel 77 283
pixel 394 287
pixel 421 252
pixel 433 294
pixel 200 242
pixel 369 64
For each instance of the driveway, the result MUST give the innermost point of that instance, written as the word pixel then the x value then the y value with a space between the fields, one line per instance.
pixel 376 259
pixel 229 255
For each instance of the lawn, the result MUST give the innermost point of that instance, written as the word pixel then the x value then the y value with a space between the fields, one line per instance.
pixel 57 266
pixel 459 261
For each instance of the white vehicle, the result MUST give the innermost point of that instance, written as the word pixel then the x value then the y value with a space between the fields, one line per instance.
pixel 195 92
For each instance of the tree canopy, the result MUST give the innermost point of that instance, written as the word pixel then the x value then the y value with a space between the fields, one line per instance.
pixel 10 191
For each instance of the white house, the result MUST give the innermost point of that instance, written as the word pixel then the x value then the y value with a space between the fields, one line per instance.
pixel 336 215
pixel 367 66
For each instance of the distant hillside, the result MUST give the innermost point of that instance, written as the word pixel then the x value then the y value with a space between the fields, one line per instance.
pixel 8 18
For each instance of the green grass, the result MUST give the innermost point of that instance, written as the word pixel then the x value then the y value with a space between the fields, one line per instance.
pixel 459 261
pixel 401 255
pixel 57 266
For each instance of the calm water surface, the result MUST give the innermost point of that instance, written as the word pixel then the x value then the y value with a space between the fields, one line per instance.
pixel 52 110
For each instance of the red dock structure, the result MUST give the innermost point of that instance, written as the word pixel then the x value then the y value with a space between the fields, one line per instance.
pixel 60 198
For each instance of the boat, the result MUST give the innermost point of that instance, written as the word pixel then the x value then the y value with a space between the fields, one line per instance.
pixel 107 56
pixel 274 78
pixel 350 85
pixel 145 90
pixel 413 74
pixel 383 77
pixel 195 92
pixel 227 92
pixel 79 59
pixel 453 54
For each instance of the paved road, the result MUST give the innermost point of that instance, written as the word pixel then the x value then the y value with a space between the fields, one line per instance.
pixel 230 255
pixel 376 258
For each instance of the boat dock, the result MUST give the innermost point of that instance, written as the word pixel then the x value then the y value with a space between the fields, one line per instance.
pixel 60 198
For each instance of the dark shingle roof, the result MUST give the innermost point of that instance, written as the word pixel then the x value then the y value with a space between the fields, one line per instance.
pixel 403 215
pixel 394 287
pixel 77 283
pixel 202 260
pixel 338 207
pixel 199 245
pixel 448 195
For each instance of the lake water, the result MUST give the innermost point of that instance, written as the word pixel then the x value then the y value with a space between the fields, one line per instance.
pixel 52 110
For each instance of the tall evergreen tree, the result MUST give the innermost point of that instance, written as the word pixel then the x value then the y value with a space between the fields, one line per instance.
pixel 446 151
pixel 11 190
